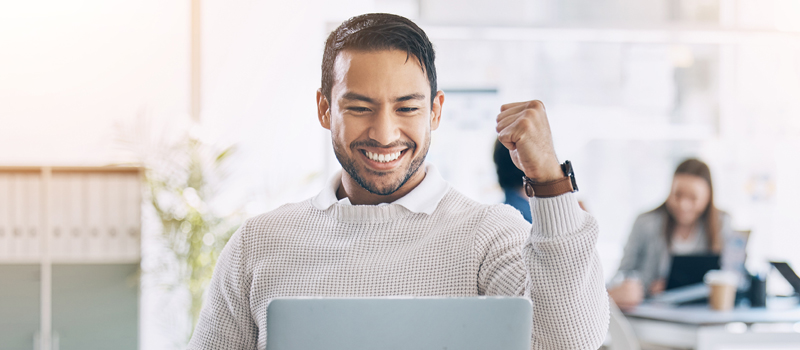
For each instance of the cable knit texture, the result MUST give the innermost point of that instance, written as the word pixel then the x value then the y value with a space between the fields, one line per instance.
pixel 463 249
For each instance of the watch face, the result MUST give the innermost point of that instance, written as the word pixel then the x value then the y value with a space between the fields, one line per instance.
pixel 567 168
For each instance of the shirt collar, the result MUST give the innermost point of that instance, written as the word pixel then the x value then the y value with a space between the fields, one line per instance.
pixel 422 199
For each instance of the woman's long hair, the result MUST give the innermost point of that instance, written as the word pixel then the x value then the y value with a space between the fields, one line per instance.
pixel 710 217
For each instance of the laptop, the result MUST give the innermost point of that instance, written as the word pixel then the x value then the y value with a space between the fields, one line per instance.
pixel 690 269
pixel 788 274
pixel 399 323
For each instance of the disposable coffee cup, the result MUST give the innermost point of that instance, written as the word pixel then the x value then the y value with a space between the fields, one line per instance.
pixel 722 285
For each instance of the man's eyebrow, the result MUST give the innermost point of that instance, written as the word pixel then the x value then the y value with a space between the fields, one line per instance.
pixel 357 97
pixel 410 97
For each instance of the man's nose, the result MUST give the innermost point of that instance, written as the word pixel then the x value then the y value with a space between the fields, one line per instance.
pixel 385 128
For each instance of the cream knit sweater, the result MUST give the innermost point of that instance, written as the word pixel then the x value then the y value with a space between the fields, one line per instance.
pixel 463 248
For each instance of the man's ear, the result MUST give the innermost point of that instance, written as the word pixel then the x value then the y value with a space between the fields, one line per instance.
pixel 436 109
pixel 323 110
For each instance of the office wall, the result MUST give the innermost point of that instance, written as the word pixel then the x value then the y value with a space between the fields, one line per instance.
pixel 71 70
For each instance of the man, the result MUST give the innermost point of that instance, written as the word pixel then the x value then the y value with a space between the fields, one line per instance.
pixel 390 225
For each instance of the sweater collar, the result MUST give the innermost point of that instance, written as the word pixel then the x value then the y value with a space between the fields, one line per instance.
pixel 422 199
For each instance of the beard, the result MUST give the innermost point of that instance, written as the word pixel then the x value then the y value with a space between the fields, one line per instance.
pixel 366 178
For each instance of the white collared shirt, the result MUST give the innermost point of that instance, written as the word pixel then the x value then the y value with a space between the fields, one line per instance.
pixel 422 199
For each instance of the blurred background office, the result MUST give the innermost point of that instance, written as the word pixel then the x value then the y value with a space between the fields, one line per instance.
pixel 632 88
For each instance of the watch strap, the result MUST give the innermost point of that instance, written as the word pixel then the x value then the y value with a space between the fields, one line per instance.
pixel 549 188
pixel 553 188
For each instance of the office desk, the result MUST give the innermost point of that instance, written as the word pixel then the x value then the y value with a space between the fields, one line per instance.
pixel 698 327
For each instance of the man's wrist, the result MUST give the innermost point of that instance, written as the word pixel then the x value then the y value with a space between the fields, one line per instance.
pixel 559 185
pixel 552 173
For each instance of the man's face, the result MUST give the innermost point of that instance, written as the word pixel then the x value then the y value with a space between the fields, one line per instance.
pixel 380 116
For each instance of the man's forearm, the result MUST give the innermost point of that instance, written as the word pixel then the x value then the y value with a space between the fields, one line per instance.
pixel 567 289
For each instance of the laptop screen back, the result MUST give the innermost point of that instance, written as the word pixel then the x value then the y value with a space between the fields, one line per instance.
pixel 399 323
pixel 690 269
pixel 789 274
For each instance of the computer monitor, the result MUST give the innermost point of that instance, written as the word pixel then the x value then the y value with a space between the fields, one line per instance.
pixel 788 274
pixel 690 269
pixel 399 323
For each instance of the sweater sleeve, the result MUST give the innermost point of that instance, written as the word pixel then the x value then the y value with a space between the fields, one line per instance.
pixel 570 301
pixel 225 320
pixel 556 264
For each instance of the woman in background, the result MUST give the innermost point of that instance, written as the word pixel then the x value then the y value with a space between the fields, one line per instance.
pixel 687 223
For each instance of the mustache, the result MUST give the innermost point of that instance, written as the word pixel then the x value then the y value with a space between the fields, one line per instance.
pixel 376 144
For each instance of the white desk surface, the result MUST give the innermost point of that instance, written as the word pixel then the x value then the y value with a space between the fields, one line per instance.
pixel 777 310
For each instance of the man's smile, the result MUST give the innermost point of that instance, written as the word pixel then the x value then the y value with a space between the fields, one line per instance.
pixel 382 158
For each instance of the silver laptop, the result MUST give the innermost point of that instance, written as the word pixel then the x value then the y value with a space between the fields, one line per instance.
pixel 399 323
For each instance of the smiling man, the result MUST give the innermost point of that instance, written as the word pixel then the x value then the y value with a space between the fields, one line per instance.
pixel 380 115
pixel 388 224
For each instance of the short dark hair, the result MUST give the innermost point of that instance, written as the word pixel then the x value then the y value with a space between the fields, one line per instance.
pixel 508 175
pixel 378 31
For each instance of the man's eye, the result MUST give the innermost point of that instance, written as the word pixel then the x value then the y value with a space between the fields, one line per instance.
pixel 408 109
pixel 358 109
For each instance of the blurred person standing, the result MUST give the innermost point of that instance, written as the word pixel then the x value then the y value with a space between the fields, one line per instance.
pixel 510 179
pixel 388 224
pixel 687 223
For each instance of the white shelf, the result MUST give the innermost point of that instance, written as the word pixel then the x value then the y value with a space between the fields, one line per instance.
pixel 94 215
pixel 68 215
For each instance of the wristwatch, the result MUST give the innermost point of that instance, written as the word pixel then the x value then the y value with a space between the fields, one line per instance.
pixel 553 188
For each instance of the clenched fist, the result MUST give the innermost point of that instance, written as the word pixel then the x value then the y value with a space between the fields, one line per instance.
pixel 523 128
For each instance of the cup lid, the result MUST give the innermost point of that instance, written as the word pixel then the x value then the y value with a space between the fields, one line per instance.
pixel 721 277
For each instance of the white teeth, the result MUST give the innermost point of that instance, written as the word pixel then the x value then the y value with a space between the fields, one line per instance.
pixel 383 158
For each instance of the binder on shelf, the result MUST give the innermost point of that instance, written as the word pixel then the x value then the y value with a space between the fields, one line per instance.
pixel 15 217
pixel 131 216
pixel 18 206
pixel 77 218
pixel 96 244
pixel 58 217
pixel 5 216
pixel 115 227
pixel 33 211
